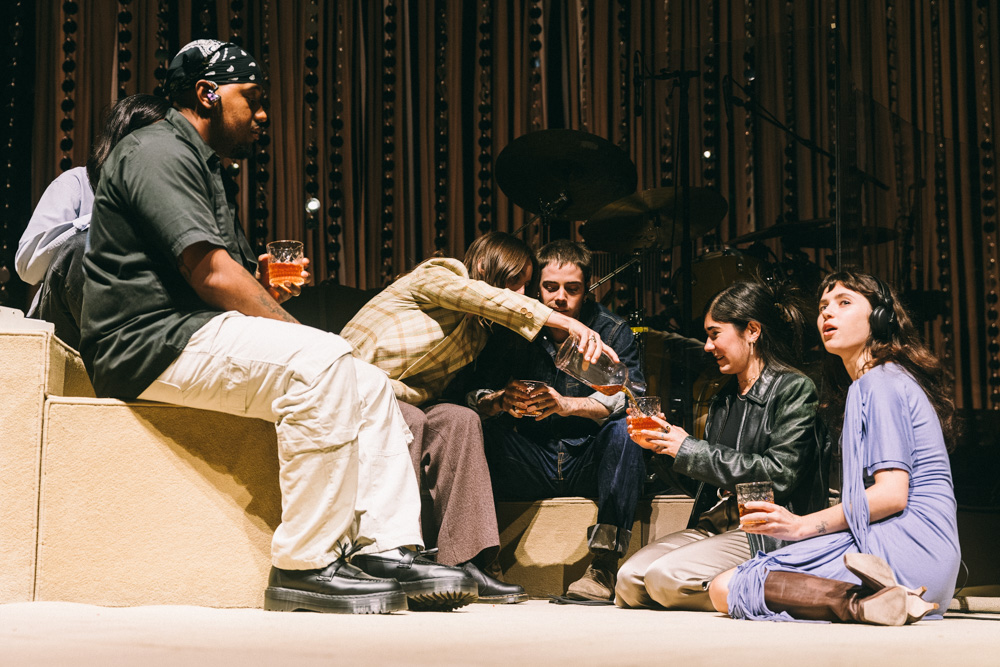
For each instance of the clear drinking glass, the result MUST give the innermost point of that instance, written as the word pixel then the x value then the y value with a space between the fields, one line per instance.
pixel 643 410
pixel 530 386
pixel 283 264
pixel 752 491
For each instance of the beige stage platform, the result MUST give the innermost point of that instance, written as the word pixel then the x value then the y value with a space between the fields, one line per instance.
pixel 165 514
pixel 533 633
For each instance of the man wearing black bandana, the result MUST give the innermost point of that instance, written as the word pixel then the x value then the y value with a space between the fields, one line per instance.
pixel 177 309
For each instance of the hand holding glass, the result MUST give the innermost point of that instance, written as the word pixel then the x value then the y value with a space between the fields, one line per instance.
pixel 753 491
pixel 643 410
pixel 530 386
pixel 284 263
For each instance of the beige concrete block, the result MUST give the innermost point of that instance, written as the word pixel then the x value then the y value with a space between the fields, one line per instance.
pixel 148 504
pixel 23 375
pixel 67 374
pixel 33 364
pixel 543 544
pixel 667 514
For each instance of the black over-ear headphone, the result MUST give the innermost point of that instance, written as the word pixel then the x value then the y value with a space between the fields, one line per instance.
pixel 882 321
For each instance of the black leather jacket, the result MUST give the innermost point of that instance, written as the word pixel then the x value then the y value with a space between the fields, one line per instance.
pixel 781 439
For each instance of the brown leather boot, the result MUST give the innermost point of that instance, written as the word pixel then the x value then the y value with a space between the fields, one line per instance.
pixel 811 598
pixel 598 582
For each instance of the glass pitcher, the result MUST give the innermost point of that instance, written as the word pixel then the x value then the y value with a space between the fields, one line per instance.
pixel 606 376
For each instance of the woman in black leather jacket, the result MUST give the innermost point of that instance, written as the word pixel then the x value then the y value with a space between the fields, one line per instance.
pixel 761 427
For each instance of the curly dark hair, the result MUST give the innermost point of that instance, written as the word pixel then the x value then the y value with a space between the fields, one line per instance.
pixel 902 345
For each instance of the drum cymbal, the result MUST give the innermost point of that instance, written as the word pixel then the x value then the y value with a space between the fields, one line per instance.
pixel 571 172
pixel 826 237
pixel 798 227
pixel 819 233
pixel 652 219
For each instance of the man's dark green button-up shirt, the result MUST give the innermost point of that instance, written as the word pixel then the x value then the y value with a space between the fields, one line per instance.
pixel 161 191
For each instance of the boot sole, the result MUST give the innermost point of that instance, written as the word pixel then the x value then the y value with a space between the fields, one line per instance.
pixel 875 573
pixel 887 607
pixel 917 608
pixel 287 599
pixel 439 595
pixel 513 598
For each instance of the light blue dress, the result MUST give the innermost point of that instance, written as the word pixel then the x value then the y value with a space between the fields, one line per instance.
pixel 888 423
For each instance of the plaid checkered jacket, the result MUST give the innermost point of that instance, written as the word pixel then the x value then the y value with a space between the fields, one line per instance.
pixel 424 327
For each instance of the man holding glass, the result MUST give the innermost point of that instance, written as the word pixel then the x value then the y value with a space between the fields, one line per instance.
pixel 577 443
pixel 173 312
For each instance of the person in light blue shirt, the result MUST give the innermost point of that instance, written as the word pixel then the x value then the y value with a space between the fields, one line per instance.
pixel 50 252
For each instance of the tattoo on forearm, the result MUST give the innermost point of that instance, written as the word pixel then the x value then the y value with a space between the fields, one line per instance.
pixel 821 528
pixel 275 308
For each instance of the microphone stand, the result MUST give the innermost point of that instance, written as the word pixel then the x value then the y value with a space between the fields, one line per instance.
pixel 752 105
pixel 550 209
pixel 682 79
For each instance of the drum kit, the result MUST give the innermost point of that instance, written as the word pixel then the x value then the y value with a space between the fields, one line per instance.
pixel 570 175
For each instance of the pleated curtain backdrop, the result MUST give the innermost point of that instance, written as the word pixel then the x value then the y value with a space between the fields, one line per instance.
pixel 392 114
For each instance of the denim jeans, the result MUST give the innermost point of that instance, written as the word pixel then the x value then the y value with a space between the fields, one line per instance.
pixel 608 467
pixel 61 297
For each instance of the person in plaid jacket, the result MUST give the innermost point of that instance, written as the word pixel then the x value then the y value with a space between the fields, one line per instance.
pixel 422 330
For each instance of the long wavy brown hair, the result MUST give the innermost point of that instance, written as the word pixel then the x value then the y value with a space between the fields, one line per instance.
pixel 902 346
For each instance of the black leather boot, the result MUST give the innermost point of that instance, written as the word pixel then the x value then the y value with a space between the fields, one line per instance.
pixel 338 588
pixel 494 591
pixel 428 586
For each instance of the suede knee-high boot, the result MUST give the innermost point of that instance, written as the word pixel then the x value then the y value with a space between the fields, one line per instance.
pixel 811 598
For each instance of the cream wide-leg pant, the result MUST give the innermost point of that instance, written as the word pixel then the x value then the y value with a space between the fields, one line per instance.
pixel 344 466
pixel 674 572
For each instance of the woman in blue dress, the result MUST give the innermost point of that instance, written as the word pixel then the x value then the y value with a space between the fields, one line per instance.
pixel 868 559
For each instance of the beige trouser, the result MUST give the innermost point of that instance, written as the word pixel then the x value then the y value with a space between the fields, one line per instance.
pixel 344 467
pixel 674 571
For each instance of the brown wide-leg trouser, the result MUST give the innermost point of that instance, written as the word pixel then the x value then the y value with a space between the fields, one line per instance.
pixel 448 457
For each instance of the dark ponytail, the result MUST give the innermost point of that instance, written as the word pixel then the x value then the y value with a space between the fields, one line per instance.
pixel 776 307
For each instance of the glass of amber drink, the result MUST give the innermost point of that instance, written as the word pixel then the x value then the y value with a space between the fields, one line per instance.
pixel 530 386
pixel 749 492
pixel 644 409
pixel 283 263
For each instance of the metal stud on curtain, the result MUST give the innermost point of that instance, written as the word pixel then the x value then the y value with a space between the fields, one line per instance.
pixel 985 60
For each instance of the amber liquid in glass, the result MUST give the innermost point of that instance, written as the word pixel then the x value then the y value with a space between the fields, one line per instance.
pixel 642 423
pixel 766 496
pixel 279 273
pixel 743 512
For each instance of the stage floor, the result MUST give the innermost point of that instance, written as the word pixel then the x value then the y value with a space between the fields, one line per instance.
pixel 532 633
